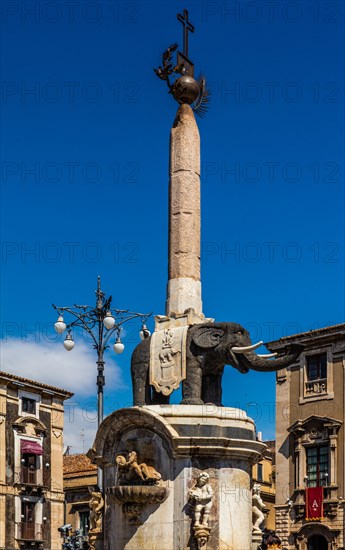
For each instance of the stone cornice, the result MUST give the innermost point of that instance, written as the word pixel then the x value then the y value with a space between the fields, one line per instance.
pixel 184 429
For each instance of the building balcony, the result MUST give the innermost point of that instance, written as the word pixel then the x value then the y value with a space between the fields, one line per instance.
pixel 28 476
pixel 330 502
pixel 29 531
pixel 315 387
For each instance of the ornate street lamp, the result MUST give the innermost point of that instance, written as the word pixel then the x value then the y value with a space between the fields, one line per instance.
pixel 100 322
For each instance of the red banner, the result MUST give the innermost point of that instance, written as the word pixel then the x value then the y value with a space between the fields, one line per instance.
pixel 314 504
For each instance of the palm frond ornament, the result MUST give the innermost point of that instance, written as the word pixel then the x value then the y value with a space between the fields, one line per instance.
pixel 201 103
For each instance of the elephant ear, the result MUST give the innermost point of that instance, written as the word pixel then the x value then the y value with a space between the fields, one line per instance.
pixel 207 337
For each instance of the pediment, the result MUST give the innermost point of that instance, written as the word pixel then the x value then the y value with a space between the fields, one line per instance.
pixel 315 425
pixel 30 426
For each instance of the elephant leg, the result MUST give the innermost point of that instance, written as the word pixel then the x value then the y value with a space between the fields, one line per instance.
pixel 141 389
pixel 212 389
pixel 159 399
pixel 140 373
pixel 191 387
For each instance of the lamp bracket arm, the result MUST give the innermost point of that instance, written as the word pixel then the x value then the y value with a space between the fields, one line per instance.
pixel 80 322
pixel 109 333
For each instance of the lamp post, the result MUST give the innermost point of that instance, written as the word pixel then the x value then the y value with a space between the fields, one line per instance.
pixel 100 322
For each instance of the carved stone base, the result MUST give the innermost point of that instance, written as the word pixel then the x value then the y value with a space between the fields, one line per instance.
pixel 256 540
pixel 180 442
pixel 134 497
pixel 95 540
pixel 202 534
pixel 133 511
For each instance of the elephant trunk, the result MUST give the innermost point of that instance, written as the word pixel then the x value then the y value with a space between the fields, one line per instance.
pixel 252 361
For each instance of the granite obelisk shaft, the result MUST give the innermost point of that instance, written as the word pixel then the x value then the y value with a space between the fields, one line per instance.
pixel 184 286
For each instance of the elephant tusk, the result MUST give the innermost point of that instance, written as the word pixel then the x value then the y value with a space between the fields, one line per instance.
pixel 267 355
pixel 243 349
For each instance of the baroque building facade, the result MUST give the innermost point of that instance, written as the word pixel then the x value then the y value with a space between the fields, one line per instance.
pixel 79 478
pixel 310 442
pixel 31 470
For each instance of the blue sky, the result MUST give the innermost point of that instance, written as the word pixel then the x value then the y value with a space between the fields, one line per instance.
pixel 84 159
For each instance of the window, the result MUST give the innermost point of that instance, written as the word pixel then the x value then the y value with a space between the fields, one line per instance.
pixel 317 380
pixel 28 460
pixel 84 522
pixel 28 521
pixel 28 405
pixel 30 471
pixel 260 472
pixel 317 367
pixel 317 465
pixel 316 375
pixel 29 524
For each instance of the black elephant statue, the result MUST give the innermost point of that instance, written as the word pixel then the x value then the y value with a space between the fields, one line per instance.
pixel 210 346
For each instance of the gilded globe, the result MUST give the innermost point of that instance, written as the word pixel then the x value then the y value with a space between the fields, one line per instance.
pixel 185 89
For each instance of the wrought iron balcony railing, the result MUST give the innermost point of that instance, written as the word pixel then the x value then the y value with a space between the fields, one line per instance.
pixel 316 387
pixel 331 502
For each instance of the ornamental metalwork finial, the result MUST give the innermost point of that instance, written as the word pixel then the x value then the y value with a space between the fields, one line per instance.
pixel 184 89
pixel 100 294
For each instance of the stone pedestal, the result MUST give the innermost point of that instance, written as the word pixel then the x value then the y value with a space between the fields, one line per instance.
pixel 95 540
pixel 179 442
pixel 256 540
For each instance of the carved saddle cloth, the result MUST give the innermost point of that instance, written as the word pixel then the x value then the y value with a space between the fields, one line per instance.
pixel 168 359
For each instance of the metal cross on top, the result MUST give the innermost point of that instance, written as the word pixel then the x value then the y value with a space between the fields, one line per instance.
pixel 187 26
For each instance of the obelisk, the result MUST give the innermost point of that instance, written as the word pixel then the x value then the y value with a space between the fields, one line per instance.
pixel 184 285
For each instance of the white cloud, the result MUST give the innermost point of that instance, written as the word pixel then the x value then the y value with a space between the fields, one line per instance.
pixel 75 371
pixel 80 426
pixel 51 364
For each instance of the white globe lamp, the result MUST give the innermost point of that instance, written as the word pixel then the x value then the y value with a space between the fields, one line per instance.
pixel 69 342
pixel 60 325
pixel 109 321
pixel 118 346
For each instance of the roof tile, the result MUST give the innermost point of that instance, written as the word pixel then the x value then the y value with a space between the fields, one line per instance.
pixel 73 464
